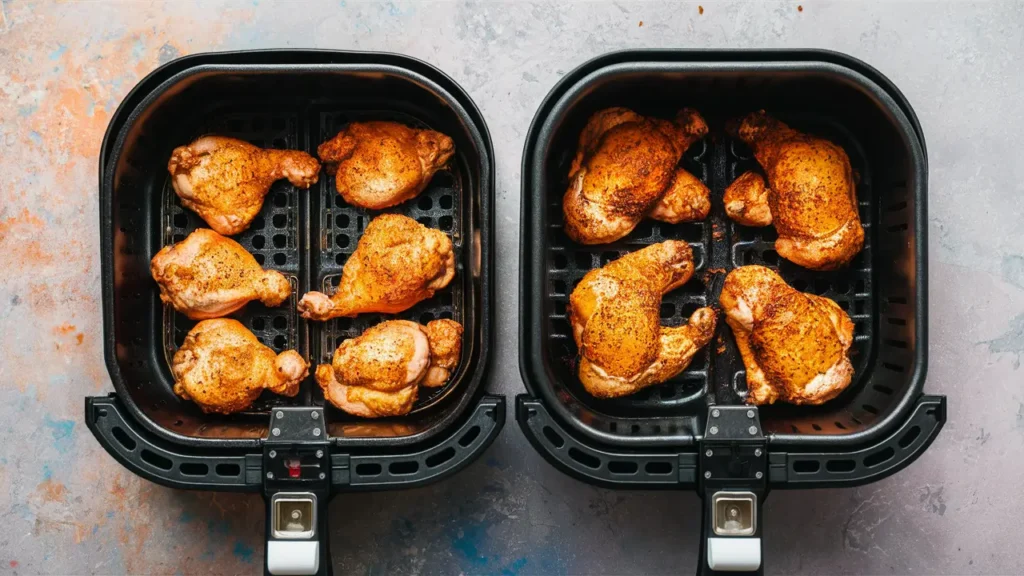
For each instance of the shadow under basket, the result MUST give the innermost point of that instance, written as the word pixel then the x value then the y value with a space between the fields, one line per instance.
pixel 288 100
pixel 667 435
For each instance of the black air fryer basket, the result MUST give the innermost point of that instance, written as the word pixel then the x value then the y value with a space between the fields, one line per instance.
pixel 695 432
pixel 294 100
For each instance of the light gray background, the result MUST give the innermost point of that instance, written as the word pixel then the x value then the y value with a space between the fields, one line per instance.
pixel 66 507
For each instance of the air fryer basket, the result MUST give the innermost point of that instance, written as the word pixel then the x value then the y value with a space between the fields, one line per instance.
pixel 307 235
pixel 294 100
pixel 661 437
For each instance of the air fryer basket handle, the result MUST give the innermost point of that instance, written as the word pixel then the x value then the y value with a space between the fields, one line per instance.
pixel 138 450
pixel 424 465
pixel 601 465
pixel 306 557
pixel 740 555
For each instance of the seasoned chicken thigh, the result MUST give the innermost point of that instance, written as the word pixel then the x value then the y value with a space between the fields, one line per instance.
pixel 615 316
pixel 811 196
pixel 207 275
pixel 224 180
pixel 223 368
pixel 381 164
pixel 625 169
pixel 795 346
pixel 378 373
pixel 397 263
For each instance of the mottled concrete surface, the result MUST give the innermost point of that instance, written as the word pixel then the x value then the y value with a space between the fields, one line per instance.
pixel 66 507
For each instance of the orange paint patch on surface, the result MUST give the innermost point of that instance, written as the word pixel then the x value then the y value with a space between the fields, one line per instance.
pixel 799 8
pixel 641 24
pixel 700 9
pixel 44 525
pixel 79 337
pixel 51 491
pixel 20 247
pixel 64 328
pixel 24 218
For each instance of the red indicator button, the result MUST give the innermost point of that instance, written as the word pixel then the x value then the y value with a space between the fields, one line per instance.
pixel 294 467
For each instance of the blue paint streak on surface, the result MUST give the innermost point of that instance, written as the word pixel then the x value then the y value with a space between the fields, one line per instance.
pixel 23 511
pixel 469 541
pixel 26 111
pixel 469 544
pixel 243 552
pixel 515 568
pixel 138 49
pixel 110 514
pixel 186 517
pixel 47 472
pixel 35 137
pixel 222 527
pixel 56 54
pixel 62 431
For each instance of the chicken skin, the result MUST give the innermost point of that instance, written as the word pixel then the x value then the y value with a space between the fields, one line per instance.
pixel 224 180
pixel 625 169
pixel 397 263
pixel 615 316
pixel 795 346
pixel 379 373
pixel 223 368
pixel 207 275
pixel 810 195
pixel 382 164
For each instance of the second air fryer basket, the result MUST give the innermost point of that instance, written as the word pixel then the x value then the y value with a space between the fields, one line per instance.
pixel 305 234
pixel 882 290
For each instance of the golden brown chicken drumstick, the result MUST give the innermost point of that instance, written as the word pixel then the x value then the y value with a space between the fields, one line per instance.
pixel 625 169
pixel 617 326
pixel 811 195
pixel 223 368
pixel 381 164
pixel 379 373
pixel 224 180
pixel 397 263
pixel 795 346
pixel 208 276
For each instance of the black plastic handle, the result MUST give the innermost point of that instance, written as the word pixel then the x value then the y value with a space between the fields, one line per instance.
pixel 608 467
pixel 187 468
pixel 601 465
pixel 429 464
pixel 156 460
pixel 870 463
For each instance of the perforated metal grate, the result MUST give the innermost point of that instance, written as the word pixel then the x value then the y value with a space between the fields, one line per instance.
pixel 569 262
pixel 719 245
pixel 850 287
pixel 341 226
pixel 276 236
pixel 273 239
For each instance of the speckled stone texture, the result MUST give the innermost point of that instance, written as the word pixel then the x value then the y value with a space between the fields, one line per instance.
pixel 67 507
